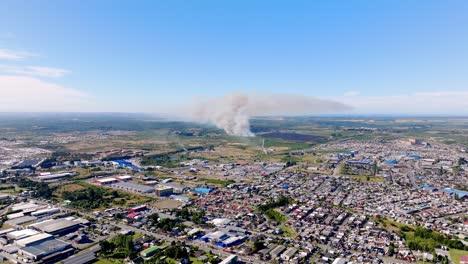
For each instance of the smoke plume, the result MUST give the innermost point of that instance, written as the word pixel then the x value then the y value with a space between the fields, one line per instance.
pixel 232 112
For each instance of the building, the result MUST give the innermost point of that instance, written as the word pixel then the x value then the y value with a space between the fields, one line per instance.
pixel 137 209
pixel 177 188
pixel 231 241
pixel 56 176
pixel 277 251
pixel 288 254
pixel 20 234
pixel 59 226
pixel 32 239
pixel 82 258
pixel 163 191
pixel 124 178
pixel 150 251
pixel 215 236
pixel 202 190
pixel 133 187
pixel 48 251
pixel 106 181
pixel 48 211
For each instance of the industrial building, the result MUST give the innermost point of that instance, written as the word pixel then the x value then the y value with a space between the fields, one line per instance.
pixel 163 191
pixel 177 188
pixel 57 226
pixel 277 251
pixel 32 239
pixel 215 236
pixel 288 254
pixel 137 209
pixel 47 251
pixel 202 190
pixel 43 212
pixel 20 234
pixel 133 187
pixel 106 181
pixel 82 258
pixel 56 176
pixel 124 178
pixel 150 251
pixel 231 241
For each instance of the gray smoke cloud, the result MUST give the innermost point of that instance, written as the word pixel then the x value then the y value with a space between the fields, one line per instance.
pixel 232 112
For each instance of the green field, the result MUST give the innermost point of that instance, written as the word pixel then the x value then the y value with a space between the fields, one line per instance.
pixel 455 254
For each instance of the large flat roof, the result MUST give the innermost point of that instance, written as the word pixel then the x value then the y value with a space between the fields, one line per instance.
pixel 20 234
pixel 51 226
pixel 32 239
pixel 139 187
pixel 45 247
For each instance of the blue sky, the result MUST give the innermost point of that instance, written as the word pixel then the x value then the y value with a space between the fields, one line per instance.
pixel 384 56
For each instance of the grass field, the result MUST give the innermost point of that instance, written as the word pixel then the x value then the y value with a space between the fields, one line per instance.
pixel 455 254
pixel 106 261
pixel 363 178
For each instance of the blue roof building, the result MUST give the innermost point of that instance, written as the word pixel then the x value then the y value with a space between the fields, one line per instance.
pixel 429 188
pixel 414 156
pixel 202 190
pixel 461 194
pixel 390 162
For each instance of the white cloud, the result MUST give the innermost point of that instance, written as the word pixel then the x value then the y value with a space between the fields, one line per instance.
pixel 443 103
pixel 24 94
pixel 351 93
pixel 33 71
pixel 6 54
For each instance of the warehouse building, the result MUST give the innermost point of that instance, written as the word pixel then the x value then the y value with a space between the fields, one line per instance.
pixel 32 239
pixel 20 234
pixel 230 242
pixel 47 251
pixel 106 181
pixel 57 226
pixel 150 251
pixel 277 251
pixel 163 191
pixel 124 178
pixel 138 208
pixel 288 254
pixel 215 236
pixel 56 176
pixel 82 258
pixel 133 187
pixel 202 190
pixel 177 188
pixel 44 212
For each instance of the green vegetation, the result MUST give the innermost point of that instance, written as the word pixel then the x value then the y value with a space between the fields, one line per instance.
pixel 168 159
pixel 427 240
pixel 275 215
pixel 167 224
pixel 195 216
pixel 280 201
pixel 41 189
pixel 119 247
pixel 269 211
pixel 222 183
pixel 92 197
pixel 171 254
